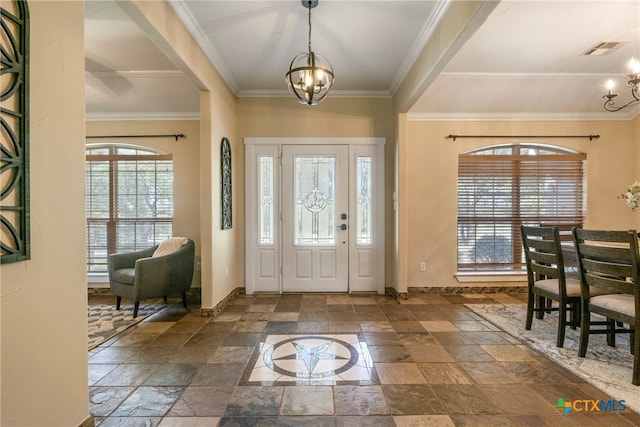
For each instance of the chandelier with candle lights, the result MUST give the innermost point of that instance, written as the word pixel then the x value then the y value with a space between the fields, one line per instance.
pixel 633 80
pixel 310 75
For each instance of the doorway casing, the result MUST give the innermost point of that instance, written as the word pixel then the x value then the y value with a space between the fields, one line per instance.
pixel 264 238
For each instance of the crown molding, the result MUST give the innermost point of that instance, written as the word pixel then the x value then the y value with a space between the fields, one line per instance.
pixel 520 117
pixel 137 116
pixel 412 117
pixel 203 41
pixel 137 73
pixel 528 76
pixel 418 46
pixel 332 94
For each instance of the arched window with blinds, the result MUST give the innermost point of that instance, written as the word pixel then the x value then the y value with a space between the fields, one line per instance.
pixel 502 187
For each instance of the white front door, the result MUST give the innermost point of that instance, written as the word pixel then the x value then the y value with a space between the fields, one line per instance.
pixel 315 218
pixel 314 215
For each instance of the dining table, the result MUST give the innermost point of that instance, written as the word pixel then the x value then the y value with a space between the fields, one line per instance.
pixel 570 257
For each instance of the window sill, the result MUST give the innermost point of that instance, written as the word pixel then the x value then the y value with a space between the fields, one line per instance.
pixel 97 278
pixel 490 276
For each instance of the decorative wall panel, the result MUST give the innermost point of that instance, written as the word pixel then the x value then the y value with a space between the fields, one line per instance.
pixel 14 132
pixel 226 205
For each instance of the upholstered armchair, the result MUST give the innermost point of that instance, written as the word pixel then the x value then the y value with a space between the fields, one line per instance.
pixel 142 275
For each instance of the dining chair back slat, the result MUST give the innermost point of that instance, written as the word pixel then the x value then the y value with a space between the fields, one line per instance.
pixel 608 281
pixel 564 229
pixel 542 246
pixel 544 271
pixel 607 253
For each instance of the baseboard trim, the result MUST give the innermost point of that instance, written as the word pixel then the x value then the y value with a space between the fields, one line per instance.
pixel 99 291
pixel 107 291
pixel 89 422
pixel 213 312
pixel 393 293
pixel 455 290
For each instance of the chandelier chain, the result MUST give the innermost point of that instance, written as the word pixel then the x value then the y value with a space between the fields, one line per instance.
pixel 309 46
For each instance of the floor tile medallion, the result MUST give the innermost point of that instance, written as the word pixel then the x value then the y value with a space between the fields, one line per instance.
pixel 311 360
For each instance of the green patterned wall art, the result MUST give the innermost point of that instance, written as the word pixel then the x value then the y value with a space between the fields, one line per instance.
pixel 14 132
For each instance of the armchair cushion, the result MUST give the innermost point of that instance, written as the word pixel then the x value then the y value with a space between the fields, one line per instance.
pixel 170 245
pixel 125 275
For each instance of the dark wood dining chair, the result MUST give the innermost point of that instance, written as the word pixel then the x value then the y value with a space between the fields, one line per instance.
pixel 610 261
pixel 546 279
pixel 564 229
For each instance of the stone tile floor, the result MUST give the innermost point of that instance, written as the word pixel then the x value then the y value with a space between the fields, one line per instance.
pixel 333 360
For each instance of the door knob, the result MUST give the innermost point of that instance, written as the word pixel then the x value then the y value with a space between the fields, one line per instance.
pixel 342 227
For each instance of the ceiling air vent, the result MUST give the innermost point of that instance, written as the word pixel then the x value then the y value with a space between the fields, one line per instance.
pixel 602 48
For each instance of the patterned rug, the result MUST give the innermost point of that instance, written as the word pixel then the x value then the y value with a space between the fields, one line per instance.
pixel 105 321
pixel 606 368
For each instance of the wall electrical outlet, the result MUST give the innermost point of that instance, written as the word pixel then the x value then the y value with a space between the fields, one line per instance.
pixel 423 266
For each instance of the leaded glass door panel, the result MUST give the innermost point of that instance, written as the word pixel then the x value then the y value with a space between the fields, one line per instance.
pixel 315 218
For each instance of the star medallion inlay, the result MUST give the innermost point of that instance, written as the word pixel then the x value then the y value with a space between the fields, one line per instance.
pixel 311 355
pixel 313 359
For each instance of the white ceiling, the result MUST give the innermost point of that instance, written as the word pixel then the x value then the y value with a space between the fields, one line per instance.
pixel 524 62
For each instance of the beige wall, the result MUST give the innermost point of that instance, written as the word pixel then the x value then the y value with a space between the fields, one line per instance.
pixel 186 165
pixel 431 177
pixel 44 299
pixel 334 117
pixel 400 212
pixel 222 270
pixel 217 120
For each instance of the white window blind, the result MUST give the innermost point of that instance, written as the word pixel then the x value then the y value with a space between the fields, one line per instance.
pixel 129 201
pixel 500 188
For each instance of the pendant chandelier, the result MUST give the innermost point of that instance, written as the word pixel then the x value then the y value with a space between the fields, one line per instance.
pixel 633 80
pixel 310 76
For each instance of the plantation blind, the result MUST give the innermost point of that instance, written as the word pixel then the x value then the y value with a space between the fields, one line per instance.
pixel 500 189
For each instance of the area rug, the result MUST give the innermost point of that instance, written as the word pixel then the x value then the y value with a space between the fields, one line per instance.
pixel 105 321
pixel 606 368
